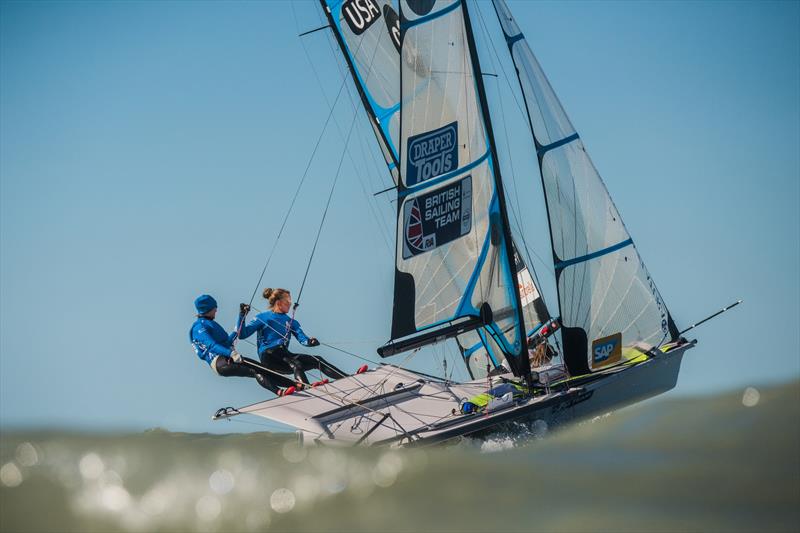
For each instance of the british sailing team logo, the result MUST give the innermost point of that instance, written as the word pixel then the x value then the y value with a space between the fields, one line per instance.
pixel 435 218
pixel 360 14
pixel 607 350
pixel 432 154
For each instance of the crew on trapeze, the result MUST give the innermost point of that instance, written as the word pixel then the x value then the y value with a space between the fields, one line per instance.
pixel 275 328
pixel 215 346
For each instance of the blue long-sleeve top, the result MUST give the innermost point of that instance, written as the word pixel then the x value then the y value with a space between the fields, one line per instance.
pixel 210 340
pixel 273 330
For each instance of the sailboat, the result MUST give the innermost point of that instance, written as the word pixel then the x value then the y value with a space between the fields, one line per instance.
pixel 460 274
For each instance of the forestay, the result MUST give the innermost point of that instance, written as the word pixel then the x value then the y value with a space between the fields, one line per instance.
pixel 454 260
pixel 368 32
pixel 608 301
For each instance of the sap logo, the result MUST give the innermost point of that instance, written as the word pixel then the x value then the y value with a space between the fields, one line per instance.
pixel 432 154
pixel 604 351
pixel 608 349
pixel 360 14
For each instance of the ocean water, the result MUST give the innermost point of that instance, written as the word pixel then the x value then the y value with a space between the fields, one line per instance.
pixel 721 463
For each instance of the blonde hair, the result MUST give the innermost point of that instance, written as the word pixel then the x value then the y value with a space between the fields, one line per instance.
pixel 274 295
pixel 541 355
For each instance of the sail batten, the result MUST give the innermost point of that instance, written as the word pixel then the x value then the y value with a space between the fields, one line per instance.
pixel 455 260
pixel 607 299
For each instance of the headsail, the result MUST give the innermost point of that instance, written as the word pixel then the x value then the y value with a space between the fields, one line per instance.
pixel 368 32
pixel 455 268
pixel 608 301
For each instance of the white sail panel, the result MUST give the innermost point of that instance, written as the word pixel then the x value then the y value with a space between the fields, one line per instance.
pixel 608 300
pixel 452 249
pixel 369 33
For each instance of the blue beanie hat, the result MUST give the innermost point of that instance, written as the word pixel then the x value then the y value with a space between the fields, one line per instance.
pixel 204 303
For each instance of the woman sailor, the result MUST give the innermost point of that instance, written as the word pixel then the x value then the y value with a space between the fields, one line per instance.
pixel 275 328
pixel 215 346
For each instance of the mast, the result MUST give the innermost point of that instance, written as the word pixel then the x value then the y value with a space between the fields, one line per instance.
pixel 367 21
pixel 523 367
pixel 455 270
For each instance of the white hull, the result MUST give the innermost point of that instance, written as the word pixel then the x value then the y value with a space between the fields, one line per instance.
pixel 394 406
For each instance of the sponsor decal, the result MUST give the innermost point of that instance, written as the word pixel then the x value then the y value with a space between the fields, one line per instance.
pixel 360 14
pixel 421 7
pixel 607 350
pixel 392 24
pixel 432 154
pixel 526 287
pixel 435 218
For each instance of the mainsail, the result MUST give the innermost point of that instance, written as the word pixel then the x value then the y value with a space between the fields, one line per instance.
pixel 455 267
pixel 607 299
pixel 368 33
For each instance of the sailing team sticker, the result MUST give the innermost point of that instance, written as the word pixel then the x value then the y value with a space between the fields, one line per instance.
pixel 432 154
pixel 360 14
pixel 433 219
pixel 607 350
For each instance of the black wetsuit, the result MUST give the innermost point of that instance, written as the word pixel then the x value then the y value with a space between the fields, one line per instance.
pixel 282 360
pixel 225 366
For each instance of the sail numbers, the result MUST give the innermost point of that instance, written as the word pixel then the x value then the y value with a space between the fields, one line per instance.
pixel 392 24
pixel 360 14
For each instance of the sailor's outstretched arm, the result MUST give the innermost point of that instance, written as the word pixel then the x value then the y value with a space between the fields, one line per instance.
pixel 254 325
pixel 299 334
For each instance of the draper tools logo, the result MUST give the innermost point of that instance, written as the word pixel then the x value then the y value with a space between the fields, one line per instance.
pixel 433 219
pixel 607 350
pixel 432 154
pixel 360 14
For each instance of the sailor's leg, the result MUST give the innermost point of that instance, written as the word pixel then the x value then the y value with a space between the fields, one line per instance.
pixel 316 362
pixel 282 361
pixel 296 365
pixel 226 367
pixel 269 380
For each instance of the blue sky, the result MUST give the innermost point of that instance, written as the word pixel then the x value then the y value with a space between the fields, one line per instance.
pixel 149 151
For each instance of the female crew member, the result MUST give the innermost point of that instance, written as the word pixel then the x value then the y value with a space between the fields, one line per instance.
pixel 215 346
pixel 275 328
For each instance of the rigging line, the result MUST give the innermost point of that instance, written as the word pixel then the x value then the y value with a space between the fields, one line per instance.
pixel 350 353
pixel 336 122
pixel 322 343
pixel 517 217
pixel 297 192
pixel 332 45
pixel 505 75
pixel 325 213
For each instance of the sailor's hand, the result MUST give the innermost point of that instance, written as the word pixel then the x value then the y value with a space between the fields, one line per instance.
pixel 313 341
pixel 236 356
pixel 244 309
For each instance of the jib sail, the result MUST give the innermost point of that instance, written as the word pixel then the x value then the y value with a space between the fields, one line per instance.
pixel 368 33
pixel 608 301
pixel 455 267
